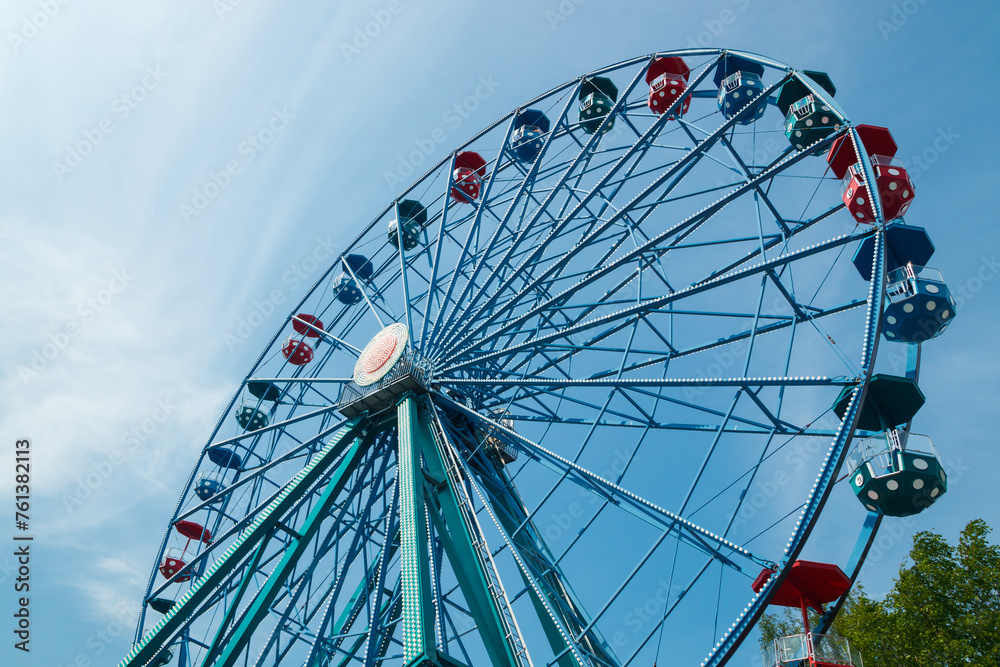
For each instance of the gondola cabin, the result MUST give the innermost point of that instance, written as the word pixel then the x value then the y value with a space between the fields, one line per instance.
pixel 209 484
pixel 896 473
pixel 467 177
pixel 597 96
pixel 667 78
pixel 526 141
pixel 740 88
pixel 808 585
pixel 414 217
pixel 345 286
pixel 250 418
pixel 920 305
pixel 808 118
pixel 175 559
pixel 213 482
pixel 892 181
pixel 297 351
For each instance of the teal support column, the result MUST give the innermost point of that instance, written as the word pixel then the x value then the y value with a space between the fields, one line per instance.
pixel 513 516
pixel 465 548
pixel 418 619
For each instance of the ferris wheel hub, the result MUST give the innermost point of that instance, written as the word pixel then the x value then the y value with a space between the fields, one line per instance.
pixel 381 354
pixel 386 369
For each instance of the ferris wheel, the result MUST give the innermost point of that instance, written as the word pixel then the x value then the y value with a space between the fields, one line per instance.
pixel 577 396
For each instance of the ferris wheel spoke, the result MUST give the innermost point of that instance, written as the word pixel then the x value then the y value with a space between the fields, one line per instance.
pixel 624 383
pixel 760 429
pixel 643 420
pixel 646 511
pixel 581 158
pixel 325 334
pixel 692 155
pixel 681 230
pixel 626 386
pixel 658 302
pixel 278 427
pixel 435 266
pixel 668 611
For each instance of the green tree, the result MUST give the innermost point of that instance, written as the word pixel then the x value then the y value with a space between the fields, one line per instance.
pixel 943 609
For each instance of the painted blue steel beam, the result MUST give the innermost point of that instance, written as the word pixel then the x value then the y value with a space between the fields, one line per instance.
pixel 669 174
pixel 744 382
pixel 691 533
pixel 732 638
pixel 295 587
pixel 162 633
pixel 653 131
pixel 683 228
pixel 659 302
pixel 667 356
pixel 525 186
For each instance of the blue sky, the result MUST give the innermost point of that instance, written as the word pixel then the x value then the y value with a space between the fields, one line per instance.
pixel 174 176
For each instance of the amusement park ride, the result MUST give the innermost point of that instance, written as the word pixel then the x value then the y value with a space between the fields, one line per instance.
pixel 645 276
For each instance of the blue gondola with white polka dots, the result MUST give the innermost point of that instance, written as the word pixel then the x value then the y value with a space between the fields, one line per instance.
pixel 526 140
pixel 740 87
pixel 347 290
pixel 920 305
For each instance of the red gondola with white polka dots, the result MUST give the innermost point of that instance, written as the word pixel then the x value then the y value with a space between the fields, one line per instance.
pixel 470 170
pixel 667 79
pixel 894 186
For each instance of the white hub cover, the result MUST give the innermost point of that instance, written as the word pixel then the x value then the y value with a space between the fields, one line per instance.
pixel 381 354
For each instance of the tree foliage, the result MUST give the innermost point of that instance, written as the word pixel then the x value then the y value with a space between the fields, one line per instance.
pixel 943 609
